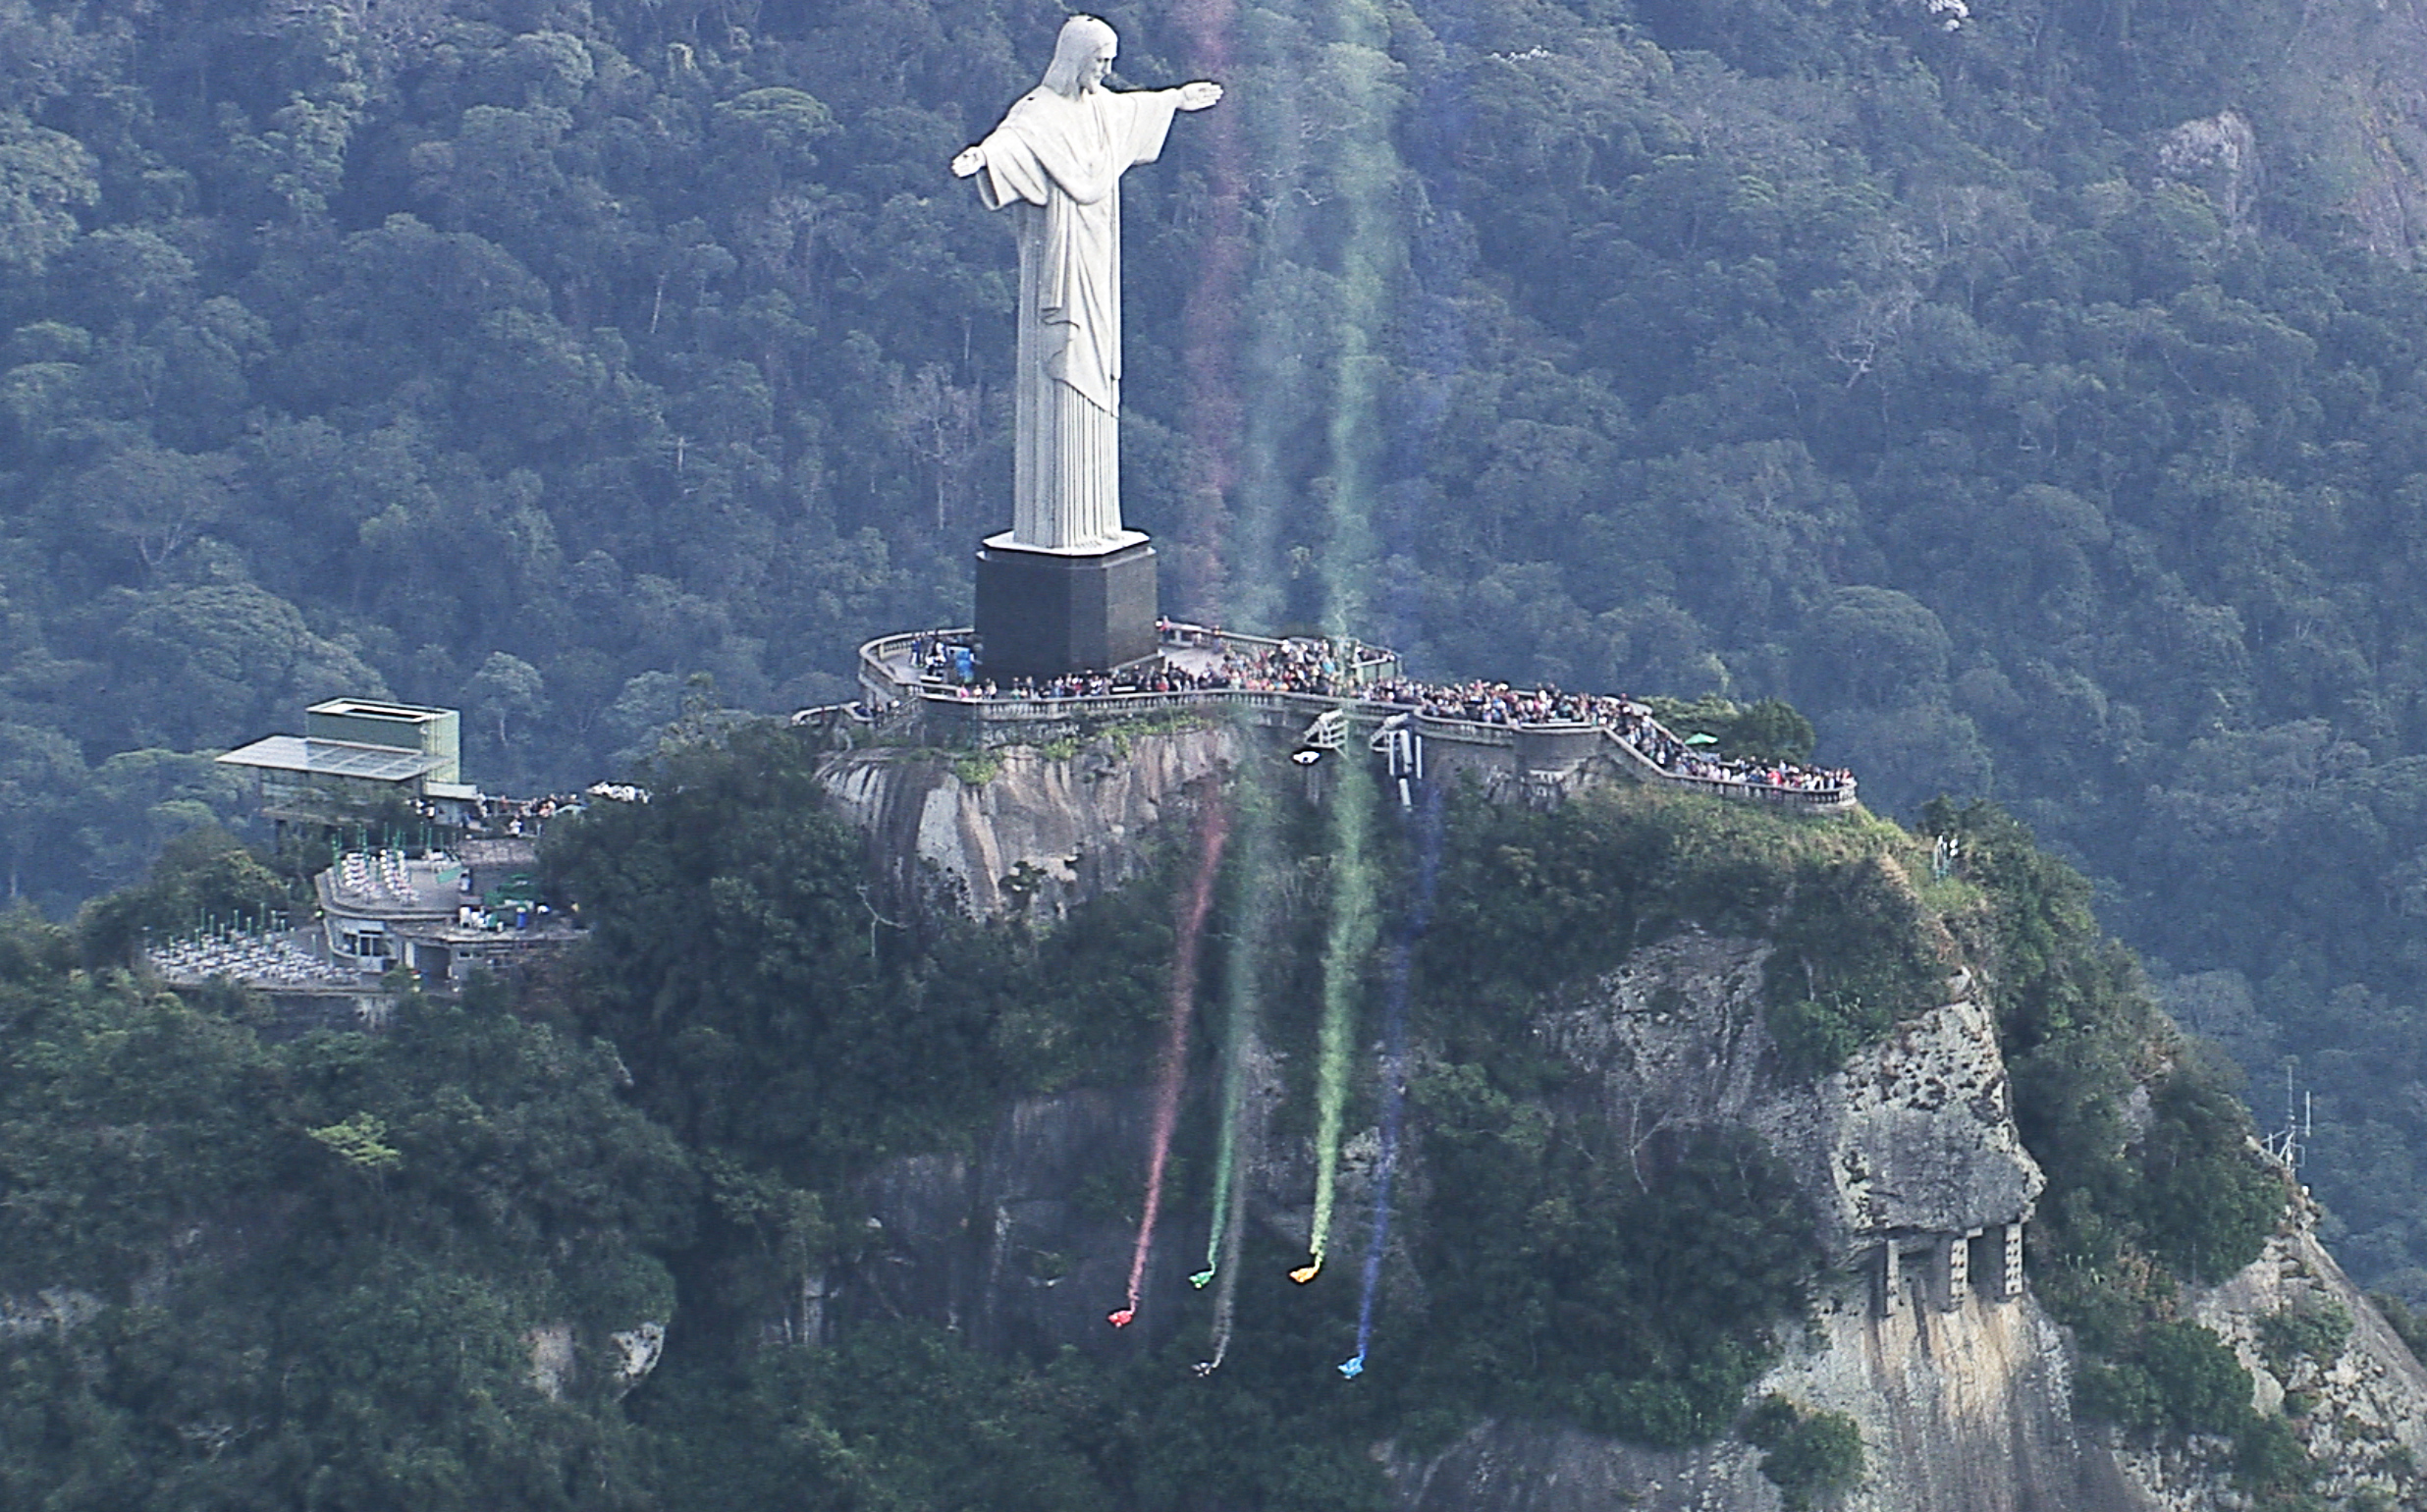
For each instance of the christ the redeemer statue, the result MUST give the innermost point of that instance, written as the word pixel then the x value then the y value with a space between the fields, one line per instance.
pixel 1056 161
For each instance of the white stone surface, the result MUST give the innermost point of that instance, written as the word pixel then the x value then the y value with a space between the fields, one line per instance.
pixel 641 1347
pixel 552 1359
pixel 2219 157
pixel 1056 161
pixel 1069 826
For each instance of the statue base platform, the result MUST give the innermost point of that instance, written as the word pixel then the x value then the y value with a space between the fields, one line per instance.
pixel 1044 612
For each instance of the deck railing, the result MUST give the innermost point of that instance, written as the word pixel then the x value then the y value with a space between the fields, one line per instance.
pixel 1003 711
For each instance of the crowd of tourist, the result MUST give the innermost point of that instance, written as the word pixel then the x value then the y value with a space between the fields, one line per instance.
pixel 1286 667
pixel 488 817
pixel 1321 668
pixel 1673 757
pixel 1497 703
pixel 494 818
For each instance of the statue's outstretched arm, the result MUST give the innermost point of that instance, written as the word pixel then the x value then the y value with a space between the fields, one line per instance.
pixel 1199 95
pixel 970 161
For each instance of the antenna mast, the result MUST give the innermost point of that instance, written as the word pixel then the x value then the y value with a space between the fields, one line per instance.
pixel 2291 1144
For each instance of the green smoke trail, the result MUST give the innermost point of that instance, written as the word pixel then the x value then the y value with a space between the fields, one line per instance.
pixel 1226 1154
pixel 1239 1039
pixel 1226 1295
pixel 1328 246
pixel 1238 1044
pixel 1363 169
pixel 1345 946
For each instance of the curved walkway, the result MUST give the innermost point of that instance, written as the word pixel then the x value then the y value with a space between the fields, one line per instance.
pixel 1361 681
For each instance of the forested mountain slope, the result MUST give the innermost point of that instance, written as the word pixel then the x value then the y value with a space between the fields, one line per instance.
pixel 2036 401
pixel 763 1204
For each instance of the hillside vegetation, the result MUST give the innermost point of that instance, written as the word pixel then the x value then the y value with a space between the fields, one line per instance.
pixel 2036 402
pixel 677 1131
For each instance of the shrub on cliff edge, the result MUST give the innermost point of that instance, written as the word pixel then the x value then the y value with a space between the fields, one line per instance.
pixel 1813 1458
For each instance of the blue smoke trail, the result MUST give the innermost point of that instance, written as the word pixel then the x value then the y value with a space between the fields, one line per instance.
pixel 1394 1065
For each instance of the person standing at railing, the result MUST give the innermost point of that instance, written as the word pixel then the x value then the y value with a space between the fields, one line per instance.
pixel 1299 669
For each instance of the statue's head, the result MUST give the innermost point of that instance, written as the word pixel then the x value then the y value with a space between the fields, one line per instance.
pixel 1082 55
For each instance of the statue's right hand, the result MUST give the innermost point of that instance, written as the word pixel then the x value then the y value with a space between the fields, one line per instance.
pixel 970 161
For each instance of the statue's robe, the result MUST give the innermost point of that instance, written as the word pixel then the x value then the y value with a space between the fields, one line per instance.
pixel 1058 161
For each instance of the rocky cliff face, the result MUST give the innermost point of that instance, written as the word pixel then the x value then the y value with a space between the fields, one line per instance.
pixel 1962 1398
pixel 2344 125
pixel 1962 1393
pixel 1018 828
pixel 1963 1410
pixel 2360 1409
pixel 1914 1136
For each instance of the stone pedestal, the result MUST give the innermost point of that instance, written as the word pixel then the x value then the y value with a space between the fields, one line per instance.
pixel 1042 614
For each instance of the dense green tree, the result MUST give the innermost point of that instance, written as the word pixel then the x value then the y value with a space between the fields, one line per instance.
pixel 166 1169
pixel 2034 404
pixel 745 964
pixel 457 1214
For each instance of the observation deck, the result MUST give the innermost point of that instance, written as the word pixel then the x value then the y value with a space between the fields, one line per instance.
pixel 1501 733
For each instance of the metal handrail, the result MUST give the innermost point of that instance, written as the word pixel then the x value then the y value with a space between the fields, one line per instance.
pixel 1010 709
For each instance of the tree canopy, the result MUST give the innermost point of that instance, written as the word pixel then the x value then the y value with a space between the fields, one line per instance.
pixel 465 1218
pixel 2032 401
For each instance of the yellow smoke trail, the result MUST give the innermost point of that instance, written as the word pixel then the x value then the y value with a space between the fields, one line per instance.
pixel 1353 74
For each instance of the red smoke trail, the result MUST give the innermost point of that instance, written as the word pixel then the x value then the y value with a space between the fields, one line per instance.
pixel 1213 830
pixel 1209 322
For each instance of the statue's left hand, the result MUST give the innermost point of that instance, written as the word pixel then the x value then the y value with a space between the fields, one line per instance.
pixel 970 161
pixel 1199 95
